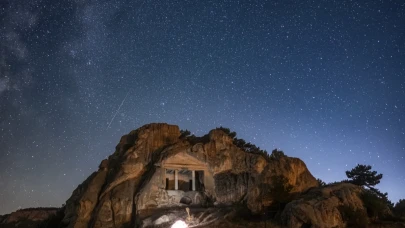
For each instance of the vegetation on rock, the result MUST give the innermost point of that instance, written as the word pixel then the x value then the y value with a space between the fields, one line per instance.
pixel 376 203
pixel 280 190
pixel 376 206
pixel 184 133
pixel 321 182
pixel 53 221
pixel 39 208
pixel 251 148
pixel 277 154
pixel 399 208
pixel 354 217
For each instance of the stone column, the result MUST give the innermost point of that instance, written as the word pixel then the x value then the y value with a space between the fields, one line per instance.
pixel 193 179
pixel 163 177
pixel 176 179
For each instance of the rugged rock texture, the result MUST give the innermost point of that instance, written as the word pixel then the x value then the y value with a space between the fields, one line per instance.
pixel 320 207
pixel 26 217
pixel 199 217
pixel 132 183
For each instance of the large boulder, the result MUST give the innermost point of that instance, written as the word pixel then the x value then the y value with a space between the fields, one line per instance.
pixel 322 207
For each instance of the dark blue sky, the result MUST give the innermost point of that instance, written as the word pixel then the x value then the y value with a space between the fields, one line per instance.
pixel 322 80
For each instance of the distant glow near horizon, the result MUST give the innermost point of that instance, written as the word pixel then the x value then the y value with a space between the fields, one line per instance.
pixel 324 82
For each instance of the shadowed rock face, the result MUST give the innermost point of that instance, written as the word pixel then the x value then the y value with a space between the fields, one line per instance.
pixel 131 183
pixel 320 207
pixel 27 217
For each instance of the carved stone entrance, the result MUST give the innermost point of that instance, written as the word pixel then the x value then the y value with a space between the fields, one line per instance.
pixel 184 172
pixel 181 179
pixel 184 179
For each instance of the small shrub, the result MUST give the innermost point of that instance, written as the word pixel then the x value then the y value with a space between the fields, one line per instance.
pixel 227 131
pixel 194 139
pixel 280 191
pixel 184 133
pixel 399 208
pixel 376 206
pixel 53 221
pixel 353 217
pixel 277 154
pixel 321 182
pixel 251 148
pixel 338 182
pixel 392 218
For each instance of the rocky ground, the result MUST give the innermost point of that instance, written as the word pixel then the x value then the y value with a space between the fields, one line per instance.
pixel 206 217
pixel 228 217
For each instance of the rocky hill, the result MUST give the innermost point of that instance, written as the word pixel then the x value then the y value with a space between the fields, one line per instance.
pixel 159 175
pixel 137 180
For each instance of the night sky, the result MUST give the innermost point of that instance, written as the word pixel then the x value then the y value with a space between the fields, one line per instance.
pixel 321 80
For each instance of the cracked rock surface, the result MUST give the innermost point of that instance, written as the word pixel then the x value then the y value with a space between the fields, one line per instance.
pixel 129 186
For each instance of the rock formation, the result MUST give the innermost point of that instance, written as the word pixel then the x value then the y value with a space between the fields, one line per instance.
pixel 158 175
pixel 320 207
pixel 26 217
pixel 337 205
pixel 154 168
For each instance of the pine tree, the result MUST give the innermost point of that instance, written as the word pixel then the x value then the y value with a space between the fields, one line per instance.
pixel 363 176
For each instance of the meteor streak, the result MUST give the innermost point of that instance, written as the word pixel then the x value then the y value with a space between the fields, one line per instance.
pixel 116 112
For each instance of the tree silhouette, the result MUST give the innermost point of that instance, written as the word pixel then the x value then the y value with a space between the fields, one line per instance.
pixel 227 131
pixel 374 203
pixel 321 182
pixel 399 208
pixel 184 133
pixel 363 176
pixel 277 154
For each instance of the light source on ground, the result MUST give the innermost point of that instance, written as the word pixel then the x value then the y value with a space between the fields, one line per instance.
pixel 179 224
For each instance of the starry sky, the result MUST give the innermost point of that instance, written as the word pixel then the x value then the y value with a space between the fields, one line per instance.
pixel 321 80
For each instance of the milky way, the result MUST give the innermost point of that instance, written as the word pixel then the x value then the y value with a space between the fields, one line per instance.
pixel 321 80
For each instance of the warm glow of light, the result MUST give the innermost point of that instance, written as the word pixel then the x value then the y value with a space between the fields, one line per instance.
pixel 179 224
